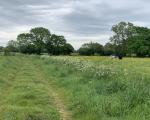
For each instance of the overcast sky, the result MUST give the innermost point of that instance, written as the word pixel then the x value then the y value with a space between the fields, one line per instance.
pixel 79 21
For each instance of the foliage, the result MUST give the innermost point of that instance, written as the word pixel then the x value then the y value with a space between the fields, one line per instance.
pixel 25 43
pixel 68 49
pixel 91 49
pixel 1 48
pixel 57 45
pixel 122 32
pixel 12 46
pixel 40 40
pixel 130 39
pixel 140 43
pixel 53 44
pixel 109 49
pixel 7 51
pixel 40 36
pixel 127 40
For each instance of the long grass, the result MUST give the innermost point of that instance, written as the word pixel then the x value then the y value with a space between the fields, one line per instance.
pixel 92 88
pixel 121 96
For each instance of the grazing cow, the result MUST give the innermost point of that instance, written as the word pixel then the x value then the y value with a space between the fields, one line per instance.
pixel 120 57
pixel 113 56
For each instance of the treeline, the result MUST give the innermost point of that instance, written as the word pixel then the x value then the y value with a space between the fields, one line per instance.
pixel 40 40
pixel 127 40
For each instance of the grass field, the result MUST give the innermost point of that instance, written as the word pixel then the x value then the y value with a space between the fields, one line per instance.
pixel 74 88
pixel 24 92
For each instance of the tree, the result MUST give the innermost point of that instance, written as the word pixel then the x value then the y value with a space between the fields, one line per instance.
pixel 12 46
pixel 25 43
pixel 55 44
pixel 109 49
pixel 139 44
pixel 41 36
pixel 40 40
pixel 122 32
pixel 1 48
pixel 67 49
pixel 91 49
pixel 130 39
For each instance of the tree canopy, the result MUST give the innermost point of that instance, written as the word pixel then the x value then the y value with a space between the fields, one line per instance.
pixel 91 49
pixel 129 39
pixel 40 40
pixel 57 45
pixel 139 44
pixel 40 36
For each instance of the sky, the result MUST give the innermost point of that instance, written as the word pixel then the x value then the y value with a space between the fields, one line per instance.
pixel 80 21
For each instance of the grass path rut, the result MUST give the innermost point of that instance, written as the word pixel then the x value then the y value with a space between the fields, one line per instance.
pixel 30 95
pixel 52 91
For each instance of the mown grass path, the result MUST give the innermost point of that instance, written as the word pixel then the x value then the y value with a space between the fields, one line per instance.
pixel 28 94
pixel 9 80
pixel 52 91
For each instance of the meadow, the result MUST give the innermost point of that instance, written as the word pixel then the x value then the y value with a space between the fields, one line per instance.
pixel 74 88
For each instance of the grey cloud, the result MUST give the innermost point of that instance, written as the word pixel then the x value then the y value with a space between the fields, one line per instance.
pixel 99 18
pixel 80 19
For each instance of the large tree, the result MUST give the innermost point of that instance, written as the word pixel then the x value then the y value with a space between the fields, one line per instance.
pixel 40 35
pixel 139 44
pixel 122 32
pixel 25 43
pixel 55 45
pixel 67 49
pixel 40 40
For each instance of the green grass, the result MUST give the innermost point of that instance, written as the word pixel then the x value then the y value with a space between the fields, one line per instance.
pixel 25 93
pixel 124 96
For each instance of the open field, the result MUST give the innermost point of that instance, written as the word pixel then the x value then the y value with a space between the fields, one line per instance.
pixel 74 88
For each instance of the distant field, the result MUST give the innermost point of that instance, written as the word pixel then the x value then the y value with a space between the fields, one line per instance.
pixel 74 88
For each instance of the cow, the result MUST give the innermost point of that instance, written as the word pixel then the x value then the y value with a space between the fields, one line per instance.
pixel 115 56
